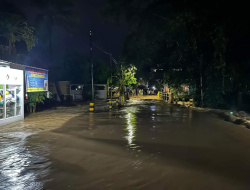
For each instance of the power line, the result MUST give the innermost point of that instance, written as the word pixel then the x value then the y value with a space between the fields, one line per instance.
pixel 101 49
pixel 112 58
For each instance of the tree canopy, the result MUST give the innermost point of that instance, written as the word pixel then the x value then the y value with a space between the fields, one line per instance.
pixel 14 28
pixel 124 76
pixel 54 13
pixel 201 43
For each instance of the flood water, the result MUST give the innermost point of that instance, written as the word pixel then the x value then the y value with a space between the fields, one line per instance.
pixel 145 145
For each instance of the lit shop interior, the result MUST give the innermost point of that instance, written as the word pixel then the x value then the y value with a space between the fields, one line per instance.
pixel 11 95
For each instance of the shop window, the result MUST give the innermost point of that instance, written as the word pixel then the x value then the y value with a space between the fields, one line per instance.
pixel 13 100
pixel 10 101
pixel 18 100
pixel 11 95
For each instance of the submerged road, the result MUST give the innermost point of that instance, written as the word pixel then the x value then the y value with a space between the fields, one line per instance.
pixel 145 145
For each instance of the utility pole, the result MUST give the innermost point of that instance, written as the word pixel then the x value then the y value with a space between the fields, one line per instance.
pixel 91 61
pixel 110 61
pixel 201 82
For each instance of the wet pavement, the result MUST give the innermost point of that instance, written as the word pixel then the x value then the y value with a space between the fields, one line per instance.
pixel 145 145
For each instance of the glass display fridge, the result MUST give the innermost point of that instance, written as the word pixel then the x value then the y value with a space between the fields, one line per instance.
pixel 11 95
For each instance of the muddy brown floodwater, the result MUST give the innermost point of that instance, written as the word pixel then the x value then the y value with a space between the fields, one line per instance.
pixel 145 145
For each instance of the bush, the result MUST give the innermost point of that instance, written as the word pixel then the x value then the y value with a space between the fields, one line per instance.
pixel 34 98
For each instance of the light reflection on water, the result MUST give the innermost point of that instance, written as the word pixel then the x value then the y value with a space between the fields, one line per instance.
pixel 131 126
pixel 22 167
pixel 130 130
pixel 153 118
pixel 153 108
pixel 91 120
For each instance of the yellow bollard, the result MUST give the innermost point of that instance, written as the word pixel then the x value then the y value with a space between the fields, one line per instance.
pixel 91 107
pixel 191 103
pixel 110 104
pixel 117 102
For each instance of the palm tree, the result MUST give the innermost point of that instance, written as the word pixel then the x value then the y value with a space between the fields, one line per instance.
pixel 13 28
pixel 55 12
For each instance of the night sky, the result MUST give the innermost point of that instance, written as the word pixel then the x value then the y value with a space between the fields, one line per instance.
pixel 108 36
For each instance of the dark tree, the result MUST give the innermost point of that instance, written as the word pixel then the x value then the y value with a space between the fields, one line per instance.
pixel 54 12
pixel 202 43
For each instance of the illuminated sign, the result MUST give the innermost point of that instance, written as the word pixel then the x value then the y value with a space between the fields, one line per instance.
pixel 36 80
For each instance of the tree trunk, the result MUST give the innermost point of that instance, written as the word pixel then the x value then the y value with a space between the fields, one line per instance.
pixel 122 100
pixel 28 108
pixel 34 108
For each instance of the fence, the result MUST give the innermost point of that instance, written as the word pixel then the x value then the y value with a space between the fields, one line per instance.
pixel 166 96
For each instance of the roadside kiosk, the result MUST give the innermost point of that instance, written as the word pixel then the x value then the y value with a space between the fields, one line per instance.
pixel 15 81
pixel 11 95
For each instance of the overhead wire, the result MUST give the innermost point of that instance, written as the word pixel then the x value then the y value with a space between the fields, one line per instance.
pixel 112 58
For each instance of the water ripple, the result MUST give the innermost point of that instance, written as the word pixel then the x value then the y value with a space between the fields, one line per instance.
pixel 22 167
